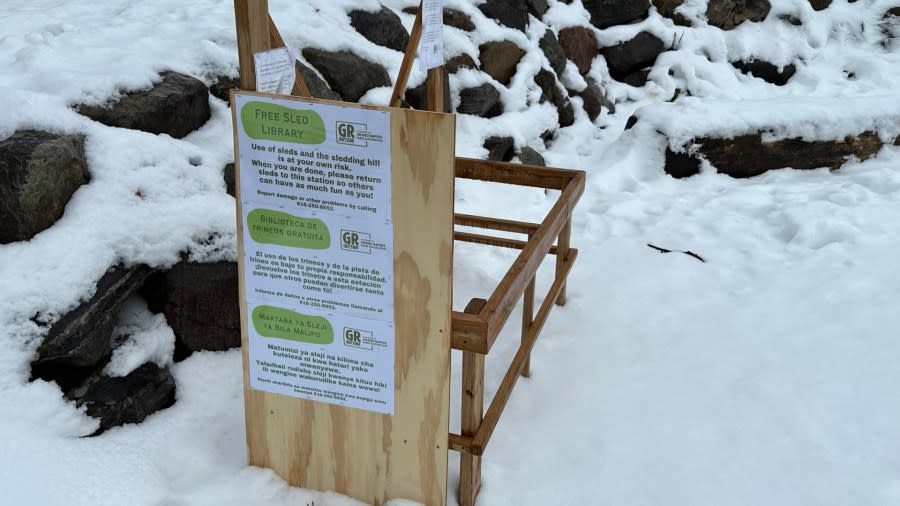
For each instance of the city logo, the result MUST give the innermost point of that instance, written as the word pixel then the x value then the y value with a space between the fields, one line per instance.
pixel 349 134
pixel 359 242
pixel 357 338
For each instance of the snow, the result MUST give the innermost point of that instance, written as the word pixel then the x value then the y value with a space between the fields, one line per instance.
pixel 764 375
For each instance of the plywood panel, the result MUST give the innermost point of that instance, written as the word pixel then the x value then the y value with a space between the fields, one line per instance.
pixel 366 455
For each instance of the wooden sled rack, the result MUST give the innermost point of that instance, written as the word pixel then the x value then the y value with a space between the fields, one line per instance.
pixel 474 329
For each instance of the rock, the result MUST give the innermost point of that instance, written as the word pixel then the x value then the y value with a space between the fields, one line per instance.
pixel 460 61
pixel 452 17
pixel 766 71
pixel 606 13
pixel 348 74
pixel 317 87
pixel 481 100
pixel 595 100
pixel 499 59
pixel 228 174
pixel 511 13
pixel 727 14
pixel 550 91
pixel 747 155
pixel 680 165
pixel 553 51
pixel 537 8
pixel 667 8
pixel 819 5
pixel 82 338
pixel 637 78
pixel 580 45
pixel 417 97
pixel 382 27
pixel 128 399
pixel 39 173
pixel 500 149
pixel 529 156
pixel 635 54
pixel 201 305
pixel 177 105
pixel 221 89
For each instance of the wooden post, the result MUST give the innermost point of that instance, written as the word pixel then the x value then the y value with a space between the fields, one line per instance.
pixel 408 57
pixel 471 414
pixel 527 321
pixel 562 251
pixel 438 94
pixel 251 18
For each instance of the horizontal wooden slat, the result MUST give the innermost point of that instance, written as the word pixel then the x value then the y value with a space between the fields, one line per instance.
pixel 520 227
pixel 463 444
pixel 514 173
pixel 469 332
pixel 492 416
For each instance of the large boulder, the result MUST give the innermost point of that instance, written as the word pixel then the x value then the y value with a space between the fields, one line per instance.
pixel 382 27
pixel 606 13
pixel 499 59
pixel 221 89
pixel 458 62
pixel 83 337
pixel 749 155
pixel 766 71
pixel 554 52
pixel 552 92
pixel 317 87
pixel 667 8
pixel 511 13
pixel 483 100
pixel 39 172
pixel 595 100
pixel 177 105
pixel 200 302
pixel 127 399
pixel 500 149
pixel 727 14
pixel 348 74
pixel 580 46
pixel 633 55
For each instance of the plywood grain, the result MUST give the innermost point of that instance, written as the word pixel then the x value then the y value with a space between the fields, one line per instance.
pixel 369 456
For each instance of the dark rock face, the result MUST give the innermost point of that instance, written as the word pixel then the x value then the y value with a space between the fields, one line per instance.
pixel 819 5
pixel 537 8
pixel 417 97
pixel 39 172
pixel 766 71
pixel 748 156
pixel 637 78
pixel 511 13
pixel 127 399
pixel 553 51
pixel 201 305
pixel 727 14
pixel 221 89
pixel 176 106
pixel 595 100
pixel 230 180
pixel 550 91
pixel 481 100
pixel 529 156
pixel 459 61
pixel 82 338
pixel 348 74
pixel 382 27
pixel 500 149
pixel 317 87
pixel 499 59
pixel 580 45
pixel 606 13
pixel 667 8
pixel 633 55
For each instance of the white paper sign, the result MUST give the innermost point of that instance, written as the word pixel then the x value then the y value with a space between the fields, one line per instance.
pixel 431 46
pixel 318 250
pixel 321 357
pixel 275 70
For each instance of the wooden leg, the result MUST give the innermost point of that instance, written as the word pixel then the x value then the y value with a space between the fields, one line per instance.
pixel 562 251
pixel 472 412
pixel 527 320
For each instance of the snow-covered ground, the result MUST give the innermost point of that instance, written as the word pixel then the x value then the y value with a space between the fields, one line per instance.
pixel 765 375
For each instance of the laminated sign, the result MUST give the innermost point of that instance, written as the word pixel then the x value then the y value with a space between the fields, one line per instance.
pixel 317 261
